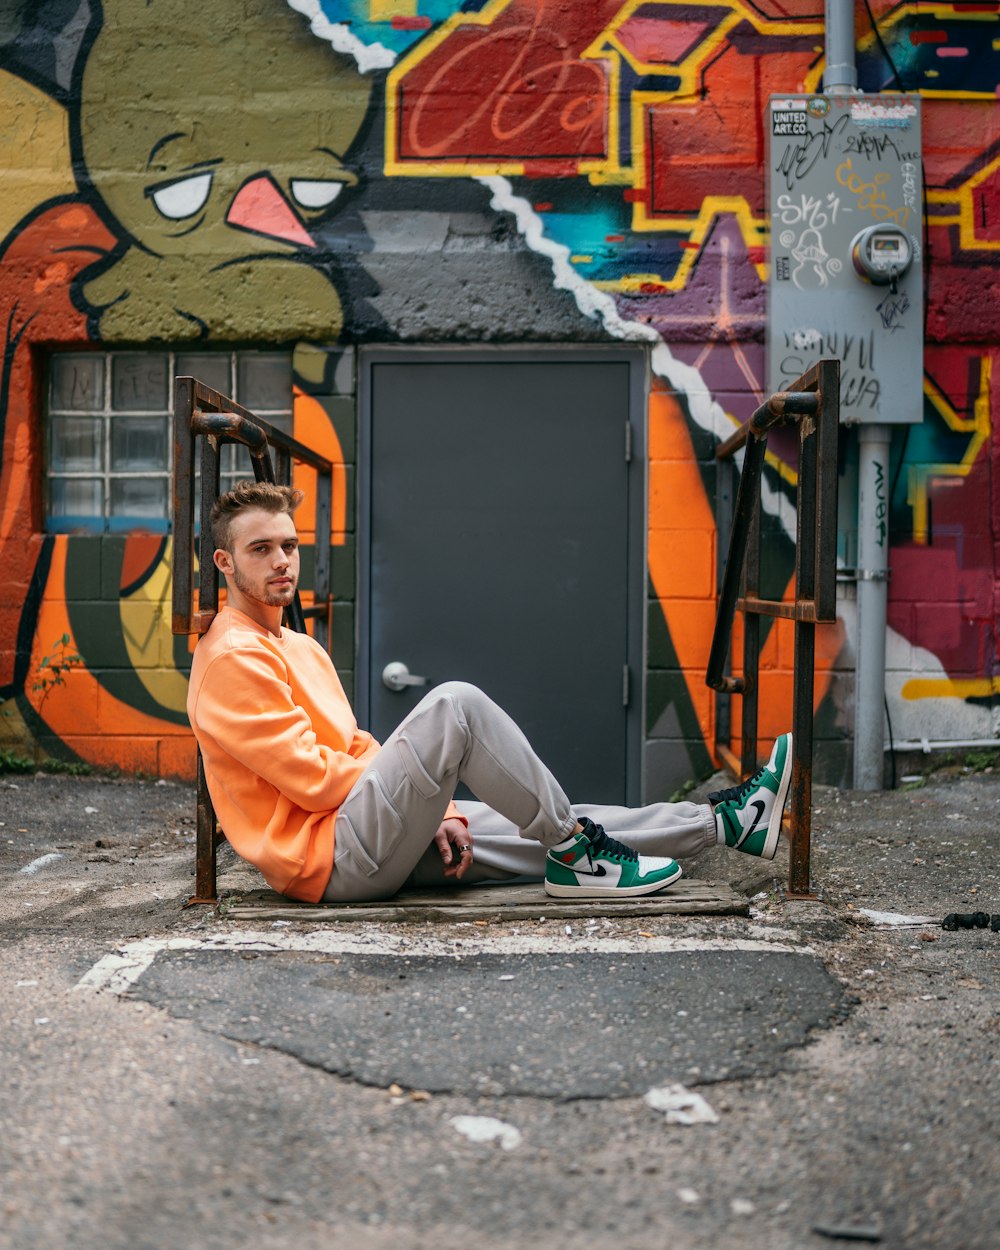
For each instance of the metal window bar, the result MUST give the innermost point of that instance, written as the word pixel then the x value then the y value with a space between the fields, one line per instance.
pixel 202 413
pixel 813 403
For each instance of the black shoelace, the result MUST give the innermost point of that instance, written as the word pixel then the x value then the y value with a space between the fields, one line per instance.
pixel 600 841
pixel 737 792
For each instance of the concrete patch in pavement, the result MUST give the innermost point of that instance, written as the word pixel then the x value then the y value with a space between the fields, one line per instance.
pixel 565 1025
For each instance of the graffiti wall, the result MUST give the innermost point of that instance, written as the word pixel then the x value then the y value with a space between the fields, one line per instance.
pixel 315 175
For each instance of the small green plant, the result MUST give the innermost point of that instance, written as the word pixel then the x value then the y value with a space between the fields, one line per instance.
pixel 11 762
pixel 679 793
pixel 67 768
pixel 61 659
pixel 979 761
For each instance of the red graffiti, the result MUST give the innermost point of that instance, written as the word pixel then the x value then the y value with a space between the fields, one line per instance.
pixel 515 89
pixel 945 590
pixel 692 150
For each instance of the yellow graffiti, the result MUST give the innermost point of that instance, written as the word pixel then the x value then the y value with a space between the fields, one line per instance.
pixel 950 688
pixel 386 10
pixel 145 618
pixel 34 171
pixel 689 68
pixel 871 195
pixel 957 207
pixel 687 73
pixel 921 477
pixel 754 231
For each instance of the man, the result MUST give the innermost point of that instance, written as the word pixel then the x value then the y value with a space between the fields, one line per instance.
pixel 326 813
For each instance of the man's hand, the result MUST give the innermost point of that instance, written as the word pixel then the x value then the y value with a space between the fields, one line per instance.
pixel 454 842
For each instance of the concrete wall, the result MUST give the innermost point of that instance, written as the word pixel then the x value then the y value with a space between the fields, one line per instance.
pixel 360 171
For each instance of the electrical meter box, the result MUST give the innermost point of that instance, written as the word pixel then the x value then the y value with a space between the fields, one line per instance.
pixel 846 271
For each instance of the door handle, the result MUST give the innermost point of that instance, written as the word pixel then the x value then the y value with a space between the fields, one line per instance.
pixel 397 676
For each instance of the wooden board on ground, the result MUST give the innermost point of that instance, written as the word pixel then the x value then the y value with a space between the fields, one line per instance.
pixel 689 897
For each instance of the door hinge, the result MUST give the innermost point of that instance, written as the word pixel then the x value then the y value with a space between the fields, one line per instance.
pixel 628 442
pixel 626 683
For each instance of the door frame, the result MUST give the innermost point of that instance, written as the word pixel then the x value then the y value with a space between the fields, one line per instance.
pixel 637 359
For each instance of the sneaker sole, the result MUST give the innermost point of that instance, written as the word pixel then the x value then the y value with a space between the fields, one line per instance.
pixel 774 824
pixel 611 891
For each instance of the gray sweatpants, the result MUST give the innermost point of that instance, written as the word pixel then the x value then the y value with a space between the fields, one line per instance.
pixel 385 827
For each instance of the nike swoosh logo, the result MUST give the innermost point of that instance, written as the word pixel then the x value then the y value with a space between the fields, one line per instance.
pixel 599 871
pixel 760 805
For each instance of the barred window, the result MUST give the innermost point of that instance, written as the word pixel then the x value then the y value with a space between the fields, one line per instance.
pixel 109 429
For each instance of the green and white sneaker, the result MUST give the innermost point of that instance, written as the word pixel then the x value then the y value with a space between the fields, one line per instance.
pixel 592 865
pixel 748 816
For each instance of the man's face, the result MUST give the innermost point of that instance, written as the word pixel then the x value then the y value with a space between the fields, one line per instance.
pixel 264 560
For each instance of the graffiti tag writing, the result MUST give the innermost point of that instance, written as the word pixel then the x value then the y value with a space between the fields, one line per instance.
pixel 856 349
pixel 517 86
pixel 908 170
pixel 870 146
pixel 809 210
pixel 799 158
pixel 813 264
pixel 880 504
pixel 871 194
pixel 892 310
pixel 860 389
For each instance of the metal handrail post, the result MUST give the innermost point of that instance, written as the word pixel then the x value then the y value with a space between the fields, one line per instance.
pixel 746 502
pixel 751 640
pixel 726 486
pixel 815 580
pixel 803 669
pixel 203 414
pixel 322 627
pixel 813 403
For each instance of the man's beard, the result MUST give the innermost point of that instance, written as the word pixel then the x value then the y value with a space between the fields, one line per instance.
pixel 271 599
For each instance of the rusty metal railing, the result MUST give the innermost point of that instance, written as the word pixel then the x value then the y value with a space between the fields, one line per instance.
pixel 813 403
pixel 203 414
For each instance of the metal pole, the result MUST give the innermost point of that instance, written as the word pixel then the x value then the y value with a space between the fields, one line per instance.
pixel 873 573
pixel 840 77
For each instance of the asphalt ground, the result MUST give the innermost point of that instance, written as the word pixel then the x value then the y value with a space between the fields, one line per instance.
pixel 172 1076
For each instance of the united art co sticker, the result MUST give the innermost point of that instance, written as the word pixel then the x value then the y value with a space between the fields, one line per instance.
pixel 788 117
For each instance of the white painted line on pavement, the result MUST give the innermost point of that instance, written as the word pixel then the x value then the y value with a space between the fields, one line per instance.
pixel 118 972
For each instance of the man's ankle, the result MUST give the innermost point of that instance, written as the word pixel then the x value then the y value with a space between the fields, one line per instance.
pixel 569 840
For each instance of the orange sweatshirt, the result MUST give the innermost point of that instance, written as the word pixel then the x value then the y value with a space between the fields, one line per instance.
pixel 281 747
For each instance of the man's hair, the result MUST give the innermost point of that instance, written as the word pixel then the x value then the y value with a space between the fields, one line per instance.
pixel 246 495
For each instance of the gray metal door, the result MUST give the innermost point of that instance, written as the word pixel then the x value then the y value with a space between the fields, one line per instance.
pixel 502 544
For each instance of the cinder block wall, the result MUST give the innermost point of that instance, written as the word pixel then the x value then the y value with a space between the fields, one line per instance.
pixel 240 180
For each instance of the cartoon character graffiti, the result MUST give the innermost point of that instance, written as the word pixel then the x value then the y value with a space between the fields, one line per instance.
pixel 211 183
pixel 814 261
pixel 202 169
